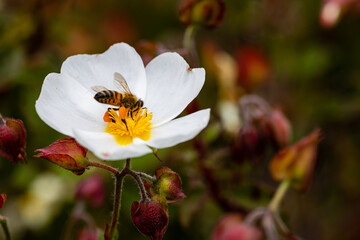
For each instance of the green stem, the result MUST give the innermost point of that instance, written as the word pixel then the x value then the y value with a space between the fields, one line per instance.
pixel 3 222
pixel 189 35
pixel 279 195
pixel 189 45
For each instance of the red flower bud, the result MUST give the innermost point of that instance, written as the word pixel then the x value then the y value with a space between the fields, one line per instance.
pixel 253 68
pixel 250 137
pixel 148 50
pixel 279 129
pixel 168 184
pixel 297 162
pixel 12 140
pixel 2 199
pixel 231 227
pixel 92 190
pixel 150 217
pixel 66 153
pixel 208 13
pixel 87 234
pixel 250 143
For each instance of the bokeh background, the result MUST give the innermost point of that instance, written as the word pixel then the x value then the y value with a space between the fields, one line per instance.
pixel 281 50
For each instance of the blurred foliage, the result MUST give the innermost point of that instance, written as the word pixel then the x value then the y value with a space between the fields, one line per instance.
pixel 312 72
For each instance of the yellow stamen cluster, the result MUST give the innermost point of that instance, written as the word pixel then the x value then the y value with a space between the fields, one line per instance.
pixel 137 126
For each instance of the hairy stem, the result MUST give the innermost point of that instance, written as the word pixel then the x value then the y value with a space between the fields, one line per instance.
pixel 279 195
pixel 119 179
pixel 116 205
pixel 104 166
pixel 3 222
pixel 140 183
pixel 144 175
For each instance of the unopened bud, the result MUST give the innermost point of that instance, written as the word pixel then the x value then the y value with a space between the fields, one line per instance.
pixel 2 199
pixel 331 12
pixel 148 50
pixel 12 140
pixel 297 162
pixel 279 129
pixel 249 144
pixel 168 184
pixel 231 227
pixel 253 68
pixel 150 217
pixel 92 190
pixel 207 13
pixel 66 153
pixel 87 233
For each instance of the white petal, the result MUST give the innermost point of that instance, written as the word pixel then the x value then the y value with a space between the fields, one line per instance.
pixel 179 130
pixel 99 69
pixel 171 86
pixel 104 146
pixel 64 104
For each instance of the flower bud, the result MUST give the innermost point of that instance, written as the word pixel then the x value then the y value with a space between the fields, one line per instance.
pixel 252 67
pixel 148 50
pixel 12 140
pixel 2 199
pixel 249 143
pixel 231 227
pixel 207 13
pixel 87 233
pixel 297 162
pixel 333 10
pixel 279 129
pixel 150 217
pixel 92 190
pixel 66 153
pixel 168 184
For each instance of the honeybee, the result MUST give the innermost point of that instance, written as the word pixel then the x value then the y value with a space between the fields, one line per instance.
pixel 126 102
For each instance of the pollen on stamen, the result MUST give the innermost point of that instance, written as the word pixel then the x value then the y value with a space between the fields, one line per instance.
pixel 137 126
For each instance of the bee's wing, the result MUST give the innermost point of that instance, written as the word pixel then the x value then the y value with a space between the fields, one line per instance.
pixel 99 88
pixel 121 83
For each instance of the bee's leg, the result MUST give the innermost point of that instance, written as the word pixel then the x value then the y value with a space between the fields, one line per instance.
pixel 144 108
pixel 115 109
pixel 124 121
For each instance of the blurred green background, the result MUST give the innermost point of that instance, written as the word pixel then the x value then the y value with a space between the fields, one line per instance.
pixel 311 71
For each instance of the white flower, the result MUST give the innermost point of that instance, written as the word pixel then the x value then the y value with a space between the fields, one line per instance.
pixel 166 86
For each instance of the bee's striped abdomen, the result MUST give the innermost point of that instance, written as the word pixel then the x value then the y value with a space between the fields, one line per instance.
pixel 109 97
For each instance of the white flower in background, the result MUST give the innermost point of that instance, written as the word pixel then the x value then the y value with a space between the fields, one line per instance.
pixel 166 86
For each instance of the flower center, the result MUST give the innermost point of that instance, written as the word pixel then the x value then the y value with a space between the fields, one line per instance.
pixel 125 127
